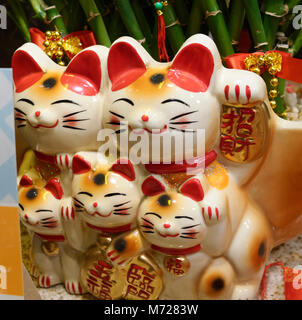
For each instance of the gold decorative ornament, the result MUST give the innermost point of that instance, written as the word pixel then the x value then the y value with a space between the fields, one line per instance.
pixel 50 248
pixel 177 265
pixel 271 61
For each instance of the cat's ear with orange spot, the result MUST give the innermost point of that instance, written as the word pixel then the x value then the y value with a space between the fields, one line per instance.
pixel 83 74
pixel 152 187
pixel 80 165
pixel 54 186
pixel 125 64
pixel 192 188
pixel 25 181
pixel 27 65
pixel 194 64
pixel 125 168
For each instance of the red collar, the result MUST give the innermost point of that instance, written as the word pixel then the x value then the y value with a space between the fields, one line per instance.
pixel 162 168
pixel 176 252
pixel 126 227
pixel 50 237
pixel 45 157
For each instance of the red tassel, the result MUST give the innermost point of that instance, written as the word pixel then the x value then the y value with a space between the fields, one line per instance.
pixel 162 51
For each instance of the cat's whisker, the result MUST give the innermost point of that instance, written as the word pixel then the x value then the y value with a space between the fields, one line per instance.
pixel 75 120
pixel 21 126
pixel 184 237
pixel 188 233
pixel 74 113
pixel 147 221
pixel 121 204
pixel 116 123
pixel 147 227
pixel 45 219
pixel 120 131
pixel 183 130
pixel 116 114
pixel 20 119
pixel 79 202
pixel 121 214
pixel 17 109
pixel 73 128
pixel 183 122
pixel 122 209
pixel 183 114
pixel 188 227
pixel 147 231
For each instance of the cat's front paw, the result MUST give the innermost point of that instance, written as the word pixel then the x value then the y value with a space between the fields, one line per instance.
pixel 74 287
pixel 64 161
pixel 211 215
pixel 48 280
pixel 116 252
pixel 34 271
pixel 67 210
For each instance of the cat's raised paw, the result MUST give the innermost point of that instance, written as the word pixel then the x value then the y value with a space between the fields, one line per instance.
pixel 74 287
pixel 34 271
pixel 46 281
pixel 211 215
pixel 64 161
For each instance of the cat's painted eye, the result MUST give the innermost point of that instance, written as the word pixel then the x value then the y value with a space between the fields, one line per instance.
pixel 32 194
pixel 99 179
pixel 164 200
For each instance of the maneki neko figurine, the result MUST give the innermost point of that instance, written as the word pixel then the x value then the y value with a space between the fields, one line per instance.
pixel 106 196
pixel 40 207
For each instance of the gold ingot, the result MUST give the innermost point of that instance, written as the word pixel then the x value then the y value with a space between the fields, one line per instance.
pixel 273 104
pixel 177 265
pixel 255 69
pixel 273 93
pixel 274 82
pixel 50 248
pixel 144 279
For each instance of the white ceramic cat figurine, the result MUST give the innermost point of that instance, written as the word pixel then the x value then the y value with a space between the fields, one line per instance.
pixel 41 207
pixel 196 230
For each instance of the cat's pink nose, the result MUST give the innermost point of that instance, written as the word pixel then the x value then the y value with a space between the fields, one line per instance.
pixel 37 114
pixel 167 225
pixel 95 204
pixel 145 118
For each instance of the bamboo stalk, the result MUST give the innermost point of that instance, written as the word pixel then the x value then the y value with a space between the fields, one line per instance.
pixel 96 22
pixel 130 21
pixel 37 8
pixel 289 17
pixel 236 20
pixel 174 31
pixel 195 18
pixel 255 22
pixel 223 7
pixel 17 14
pixel 182 12
pixel 76 18
pixel 297 43
pixel 271 23
pixel 116 27
pixel 217 26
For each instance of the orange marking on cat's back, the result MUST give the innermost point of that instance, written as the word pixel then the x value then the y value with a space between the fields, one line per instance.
pixel 217 176
pixel 150 87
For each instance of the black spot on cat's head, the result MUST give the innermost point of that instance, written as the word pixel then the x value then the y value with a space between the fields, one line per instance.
pixel 32 194
pixel 120 245
pixel 218 284
pixel 261 249
pixel 99 179
pixel 49 83
pixel 164 200
pixel 157 78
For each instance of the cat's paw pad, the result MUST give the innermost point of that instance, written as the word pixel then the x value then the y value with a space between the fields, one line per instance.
pixel 46 281
pixel 64 161
pixel 34 271
pixel 74 287
pixel 67 212
pixel 211 215
pixel 245 93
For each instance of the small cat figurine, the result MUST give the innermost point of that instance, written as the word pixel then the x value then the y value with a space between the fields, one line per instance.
pixel 105 194
pixel 194 231
pixel 59 109
pixel 41 207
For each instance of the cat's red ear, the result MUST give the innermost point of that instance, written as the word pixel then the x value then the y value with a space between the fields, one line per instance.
pixel 26 70
pixel 192 189
pixel 83 74
pixel 80 165
pixel 124 168
pixel 25 181
pixel 124 65
pixel 151 187
pixel 192 68
pixel 55 188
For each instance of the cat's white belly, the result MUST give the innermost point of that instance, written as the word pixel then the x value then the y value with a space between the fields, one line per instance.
pixel 182 287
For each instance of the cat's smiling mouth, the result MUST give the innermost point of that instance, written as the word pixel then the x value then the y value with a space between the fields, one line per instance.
pixel 100 214
pixel 168 235
pixel 44 126
pixel 153 131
